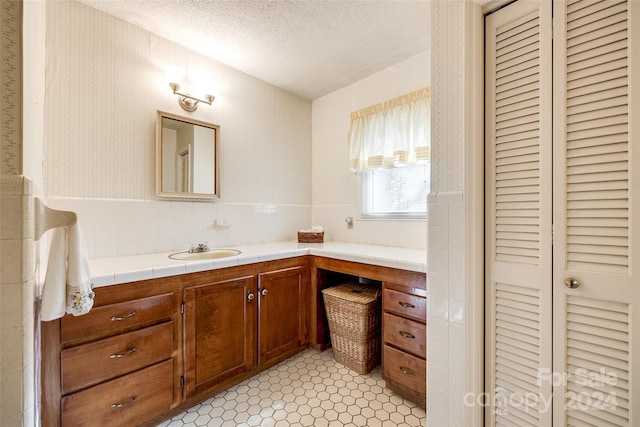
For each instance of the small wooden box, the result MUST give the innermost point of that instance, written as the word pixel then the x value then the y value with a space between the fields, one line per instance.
pixel 310 237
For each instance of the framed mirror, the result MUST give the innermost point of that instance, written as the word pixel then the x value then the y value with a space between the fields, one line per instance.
pixel 186 158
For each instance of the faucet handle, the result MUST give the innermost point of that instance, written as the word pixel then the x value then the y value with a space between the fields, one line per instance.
pixel 200 247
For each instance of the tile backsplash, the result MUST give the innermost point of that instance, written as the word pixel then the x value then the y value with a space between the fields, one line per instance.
pixel 132 227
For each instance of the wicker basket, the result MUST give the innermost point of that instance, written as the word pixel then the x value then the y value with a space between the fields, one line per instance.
pixel 310 236
pixel 353 311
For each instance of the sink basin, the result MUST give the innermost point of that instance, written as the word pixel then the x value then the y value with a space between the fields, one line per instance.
pixel 211 254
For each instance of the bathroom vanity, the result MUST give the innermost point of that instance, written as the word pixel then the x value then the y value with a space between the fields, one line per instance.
pixel 154 347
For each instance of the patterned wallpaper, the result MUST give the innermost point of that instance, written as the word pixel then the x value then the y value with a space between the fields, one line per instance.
pixel 11 87
pixel 447 96
pixel 446 237
pixel 104 84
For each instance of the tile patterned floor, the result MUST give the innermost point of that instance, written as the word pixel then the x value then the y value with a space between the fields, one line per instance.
pixel 309 389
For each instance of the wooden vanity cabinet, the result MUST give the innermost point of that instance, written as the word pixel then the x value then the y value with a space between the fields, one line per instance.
pixel 404 337
pixel 403 319
pixel 116 363
pixel 219 338
pixel 237 326
pixel 151 349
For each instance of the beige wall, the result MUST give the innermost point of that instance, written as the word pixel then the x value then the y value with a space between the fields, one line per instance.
pixel 335 188
pixel 104 84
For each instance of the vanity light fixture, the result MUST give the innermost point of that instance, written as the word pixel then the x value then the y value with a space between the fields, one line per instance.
pixel 187 102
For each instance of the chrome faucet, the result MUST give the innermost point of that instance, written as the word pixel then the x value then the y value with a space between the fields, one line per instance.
pixel 201 247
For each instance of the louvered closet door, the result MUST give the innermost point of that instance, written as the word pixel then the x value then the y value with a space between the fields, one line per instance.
pixel 597 175
pixel 518 213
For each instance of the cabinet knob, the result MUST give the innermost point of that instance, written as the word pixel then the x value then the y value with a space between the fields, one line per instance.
pixel 407 371
pixel 250 296
pixel 264 292
pixel 571 283
pixel 406 304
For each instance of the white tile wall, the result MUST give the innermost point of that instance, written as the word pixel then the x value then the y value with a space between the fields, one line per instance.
pixel 445 310
pixel 403 233
pixel 16 301
pixel 130 227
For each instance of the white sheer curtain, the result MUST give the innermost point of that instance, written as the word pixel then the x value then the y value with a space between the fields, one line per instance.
pixel 391 134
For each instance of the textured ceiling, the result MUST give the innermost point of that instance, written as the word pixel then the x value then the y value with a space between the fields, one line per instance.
pixel 308 47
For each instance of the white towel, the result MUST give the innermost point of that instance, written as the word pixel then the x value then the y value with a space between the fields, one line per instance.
pixel 67 285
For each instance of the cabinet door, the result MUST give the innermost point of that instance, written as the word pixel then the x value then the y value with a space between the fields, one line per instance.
pixel 219 339
pixel 283 312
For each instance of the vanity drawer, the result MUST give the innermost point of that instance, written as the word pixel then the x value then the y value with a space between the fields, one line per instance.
pixel 126 401
pixel 89 364
pixel 405 369
pixel 112 319
pixel 404 304
pixel 405 334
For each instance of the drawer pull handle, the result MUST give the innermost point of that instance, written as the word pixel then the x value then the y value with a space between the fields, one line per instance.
pixel 119 318
pixel 407 371
pixel 407 304
pixel 407 334
pixel 125 354
pixel 120 405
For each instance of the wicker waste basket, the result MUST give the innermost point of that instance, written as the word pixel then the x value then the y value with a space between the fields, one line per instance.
pixel 353 311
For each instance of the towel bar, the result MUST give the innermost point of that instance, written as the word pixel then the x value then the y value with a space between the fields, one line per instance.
pixel 47 218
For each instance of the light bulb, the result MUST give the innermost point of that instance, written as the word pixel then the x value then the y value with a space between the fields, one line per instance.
pixel 174 74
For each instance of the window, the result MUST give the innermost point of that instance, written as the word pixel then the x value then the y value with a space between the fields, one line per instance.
pixel 389 148
pixel 398 192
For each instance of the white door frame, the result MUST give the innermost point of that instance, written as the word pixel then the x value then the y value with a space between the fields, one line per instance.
pixel 474 214
pixel 474 206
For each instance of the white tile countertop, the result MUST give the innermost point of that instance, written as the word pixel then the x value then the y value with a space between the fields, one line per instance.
pixel 114 270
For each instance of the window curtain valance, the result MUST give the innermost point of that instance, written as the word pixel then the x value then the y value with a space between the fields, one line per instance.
pixel 391 134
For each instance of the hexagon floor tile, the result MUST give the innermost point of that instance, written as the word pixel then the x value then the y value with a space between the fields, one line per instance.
pixel 309 389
